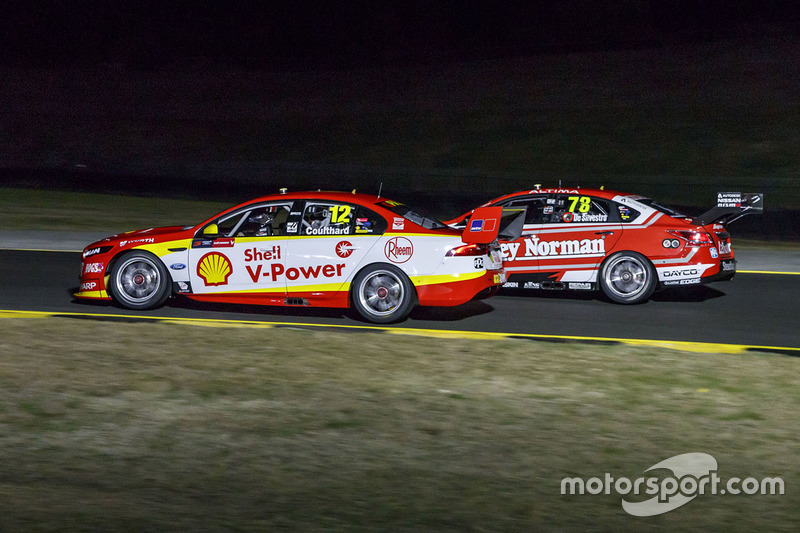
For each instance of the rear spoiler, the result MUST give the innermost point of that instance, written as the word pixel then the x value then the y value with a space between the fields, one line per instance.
pixel 732 206
pixel 487 224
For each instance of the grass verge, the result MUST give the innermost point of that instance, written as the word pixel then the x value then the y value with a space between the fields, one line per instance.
pixel 169 427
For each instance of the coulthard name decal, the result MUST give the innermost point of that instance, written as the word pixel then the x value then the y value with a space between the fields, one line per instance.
pixel 538 248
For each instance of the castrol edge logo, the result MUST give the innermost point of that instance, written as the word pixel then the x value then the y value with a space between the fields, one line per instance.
pixel 214 268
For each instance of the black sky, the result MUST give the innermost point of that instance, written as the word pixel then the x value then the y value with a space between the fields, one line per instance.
pixel 346 33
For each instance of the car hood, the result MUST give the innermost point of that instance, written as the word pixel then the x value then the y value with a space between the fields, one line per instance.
pixel 145 236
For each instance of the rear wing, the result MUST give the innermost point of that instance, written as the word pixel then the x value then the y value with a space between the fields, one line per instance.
pixel 487 224
pixel 732 206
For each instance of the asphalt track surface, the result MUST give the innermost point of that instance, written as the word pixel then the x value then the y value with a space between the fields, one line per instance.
pixel 754 309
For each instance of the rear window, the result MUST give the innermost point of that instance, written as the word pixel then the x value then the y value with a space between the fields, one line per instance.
pixel 404 211
pixel 664 209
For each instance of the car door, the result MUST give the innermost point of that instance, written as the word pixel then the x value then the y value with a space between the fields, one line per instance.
pixel 243 253
pixel 576 234
pixel 520 260
pixel 332 240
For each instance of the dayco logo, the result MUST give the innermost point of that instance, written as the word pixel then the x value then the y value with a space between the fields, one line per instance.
pixel 679 273
pixel 398 250
pixel 536 248
pixel 214 268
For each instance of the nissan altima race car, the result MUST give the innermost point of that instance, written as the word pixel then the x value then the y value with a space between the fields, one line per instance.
pixel 623 244
pixel 302 249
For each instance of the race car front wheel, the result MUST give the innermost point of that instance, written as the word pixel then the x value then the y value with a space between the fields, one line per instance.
pixel 383 294
pixel 628 278
pixel 139 281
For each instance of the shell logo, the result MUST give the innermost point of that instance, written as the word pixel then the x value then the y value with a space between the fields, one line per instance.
pixel 214 268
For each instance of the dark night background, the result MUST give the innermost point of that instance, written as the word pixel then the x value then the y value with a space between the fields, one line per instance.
pixel 456 100
pixel 358 33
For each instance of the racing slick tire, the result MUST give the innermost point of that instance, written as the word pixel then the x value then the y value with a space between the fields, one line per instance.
pixel 383 294
pixel 628 278
pixel 139 280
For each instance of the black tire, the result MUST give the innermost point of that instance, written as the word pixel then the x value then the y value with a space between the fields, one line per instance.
pixel 382 294
pixel 628 278
pixel 139 280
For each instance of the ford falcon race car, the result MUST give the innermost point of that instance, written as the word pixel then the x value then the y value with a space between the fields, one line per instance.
pixel 623 244
pixel 302 249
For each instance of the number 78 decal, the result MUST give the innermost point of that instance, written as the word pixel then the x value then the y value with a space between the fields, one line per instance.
pixel 585 204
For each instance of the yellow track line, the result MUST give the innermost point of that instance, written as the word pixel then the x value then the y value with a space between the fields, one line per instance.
pixel 697 347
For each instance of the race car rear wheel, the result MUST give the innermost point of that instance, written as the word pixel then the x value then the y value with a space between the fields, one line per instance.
pixel 139 281
pixel 628 278
pixel 383 294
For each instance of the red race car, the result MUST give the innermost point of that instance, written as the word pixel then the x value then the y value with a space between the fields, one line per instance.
pixel 302 249
pixel 623 244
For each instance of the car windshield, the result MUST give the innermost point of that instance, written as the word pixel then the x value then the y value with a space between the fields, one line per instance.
pixel 666 210
pixel 405 212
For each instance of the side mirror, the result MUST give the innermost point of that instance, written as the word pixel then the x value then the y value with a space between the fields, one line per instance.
pixel 212 230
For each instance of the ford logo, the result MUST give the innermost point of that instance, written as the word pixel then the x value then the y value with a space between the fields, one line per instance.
pixel 177 266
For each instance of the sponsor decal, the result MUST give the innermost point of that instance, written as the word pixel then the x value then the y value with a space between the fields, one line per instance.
pixel 671 243
pixel 328 230
pixel 511 285
pixel 531 285
pixel 93 268
pixel 363 225
pixel 537 248
pixel 202 243
pixel 548 210
pixel 88 286
pixel 580 286
pixel 476 225
pixel 551 201
pixel 344 249
pixel 555 191
pixel 713 252
pixel 725 248
pixel 277 270
pixel 624 212
pixel 148 240
pixel 91 252
pixel 478 263
pixel 680 272
pixel 177 266
pixel 183 287
pixel 568 217
pixel 398 223
pixel 729 199
pixel 728 266
pixel 264 254
pixel 398 250
pixel 291 227
pixel 214 268
pixel 223 243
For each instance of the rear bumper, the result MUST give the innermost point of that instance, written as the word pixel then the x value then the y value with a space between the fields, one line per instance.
pixel 459 290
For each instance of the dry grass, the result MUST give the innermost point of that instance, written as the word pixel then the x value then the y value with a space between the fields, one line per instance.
pixel 168 427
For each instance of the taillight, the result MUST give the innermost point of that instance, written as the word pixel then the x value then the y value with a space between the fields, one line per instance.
pixel 468 250
pixel 694 238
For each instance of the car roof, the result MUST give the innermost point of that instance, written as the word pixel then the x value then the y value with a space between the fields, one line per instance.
pixel 600 193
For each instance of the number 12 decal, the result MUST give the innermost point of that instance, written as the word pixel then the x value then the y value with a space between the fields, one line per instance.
pixel 340 214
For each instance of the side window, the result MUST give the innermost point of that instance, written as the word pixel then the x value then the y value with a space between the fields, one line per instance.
pixel 328 218
pixel 265 221
pixel 568 209
pixel 626 214
pixel 229 223
pixel 369 222
pixel 534 207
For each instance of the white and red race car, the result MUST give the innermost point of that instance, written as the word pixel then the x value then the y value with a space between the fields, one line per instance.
pixel 623 244
pixel 302 249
